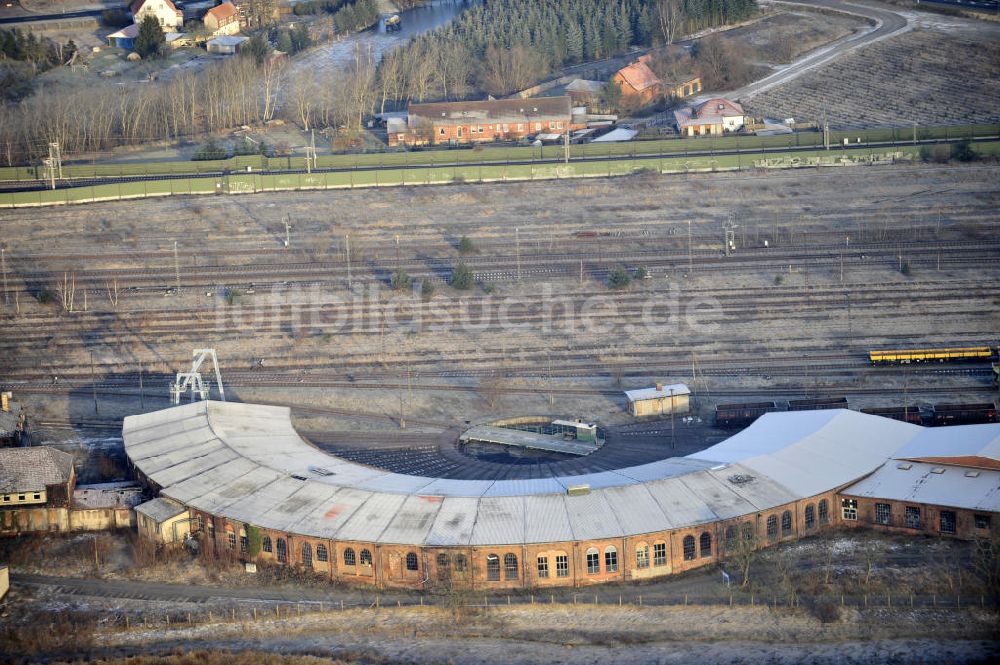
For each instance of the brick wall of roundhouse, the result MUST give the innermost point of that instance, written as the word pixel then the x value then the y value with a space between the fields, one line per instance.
pixel 930 519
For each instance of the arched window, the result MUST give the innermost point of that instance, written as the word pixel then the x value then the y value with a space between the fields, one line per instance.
pixel 265 544
pixel 810 517
pixel 460 563
pixel 772 527
pixel 748 532
pixel 282 550
pixel 493 568
pixel 411 561
pixel 786 523
pixel 442 566
pixel 688 548
pixel 307 554
pixel 824 512
pixel 321 553
pixel 611 559
pixel 731 537
pixel 705 544
pixel 642 555
pixel 366 558
pixel 349 559
pixel 593 561
pixel 510 566
pixel 230 538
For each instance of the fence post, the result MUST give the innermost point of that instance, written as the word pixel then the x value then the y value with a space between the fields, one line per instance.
pixel 730 599
pixel 888 599
pixel 685 599
pixel 595 599
pixel 552 599
pixel 342 604
pixel 126 622
pixel 640 600
pixel 255 614
pixel 168 620
pixel 958 601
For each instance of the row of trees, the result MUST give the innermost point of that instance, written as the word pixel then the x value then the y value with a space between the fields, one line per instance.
pixel 239 91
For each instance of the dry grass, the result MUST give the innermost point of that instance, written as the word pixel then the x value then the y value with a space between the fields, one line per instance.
pixel 211 657
pixel 926 76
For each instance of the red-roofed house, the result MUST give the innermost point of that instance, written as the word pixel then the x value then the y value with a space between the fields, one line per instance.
pixel 169 17
pixel 638 80
pixel 715 116
pixel 223 19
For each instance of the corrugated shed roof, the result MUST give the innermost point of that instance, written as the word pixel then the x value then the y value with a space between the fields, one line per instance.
pixel 978 491
pixel 238 460
pixel 160 510
pixel 500 520
pixel 966 441
pixel 31 469
pixel 509 110
pixel 455 520
pixel 811 452
pixel 674 389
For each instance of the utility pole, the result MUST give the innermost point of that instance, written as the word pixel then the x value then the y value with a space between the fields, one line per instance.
pixel 566 145
pixel 348 241
pixel 177 270
pixel 51 169
pixel 672 440
pixel 397 253
pixel 311 153
pixel 56 156
pixel 517 251
pixel 690 260
pixel 93 381
pixel 3 264
pixel 142 401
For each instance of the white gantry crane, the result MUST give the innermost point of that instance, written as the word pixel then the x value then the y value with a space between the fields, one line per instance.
pixel 192 380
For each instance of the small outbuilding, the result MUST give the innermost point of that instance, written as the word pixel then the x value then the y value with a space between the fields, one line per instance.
pixel 225 45
pixel 124 38
pixel 659 400
pixel 163 521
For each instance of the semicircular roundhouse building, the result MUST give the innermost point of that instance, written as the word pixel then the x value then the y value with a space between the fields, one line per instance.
pixel 239 469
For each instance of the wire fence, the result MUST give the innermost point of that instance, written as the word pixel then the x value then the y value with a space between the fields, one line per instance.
pixel 254 611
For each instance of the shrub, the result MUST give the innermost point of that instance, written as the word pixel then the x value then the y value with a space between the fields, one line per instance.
pixel 209 151
pixel 426 290
pixel 465 246
pixel 826 610
pixel 963 152
pixel 400 281
pixel 778 279
pixel 461 277
pixel 619 279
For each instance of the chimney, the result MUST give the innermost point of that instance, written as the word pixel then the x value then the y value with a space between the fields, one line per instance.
pixel 659 387
pixel 5 401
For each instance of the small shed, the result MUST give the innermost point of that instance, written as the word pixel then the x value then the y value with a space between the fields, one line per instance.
pixel 124 38
pixel 225 45
pixel 659 400
pixel 163 521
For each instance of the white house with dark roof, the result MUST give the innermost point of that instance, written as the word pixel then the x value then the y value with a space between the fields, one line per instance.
pixel 164 11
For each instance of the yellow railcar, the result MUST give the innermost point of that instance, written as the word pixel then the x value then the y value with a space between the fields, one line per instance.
pixel 904 356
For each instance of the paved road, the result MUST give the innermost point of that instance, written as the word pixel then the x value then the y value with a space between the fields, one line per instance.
pixel 32 18
pixel 888 23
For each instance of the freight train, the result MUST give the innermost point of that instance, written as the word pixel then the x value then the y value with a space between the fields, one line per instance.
pixel 906 356
pixel 743 414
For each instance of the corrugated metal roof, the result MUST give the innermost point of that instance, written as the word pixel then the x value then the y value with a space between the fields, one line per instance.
pixel 455 520
pixel 500 520
pixel 811 452
pixel 240 461
pixel 966 441
pixel 653 393
pixel 978 491
pixel 545 516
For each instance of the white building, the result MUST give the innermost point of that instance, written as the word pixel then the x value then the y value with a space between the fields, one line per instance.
pixel 169 17
pixel 660 400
